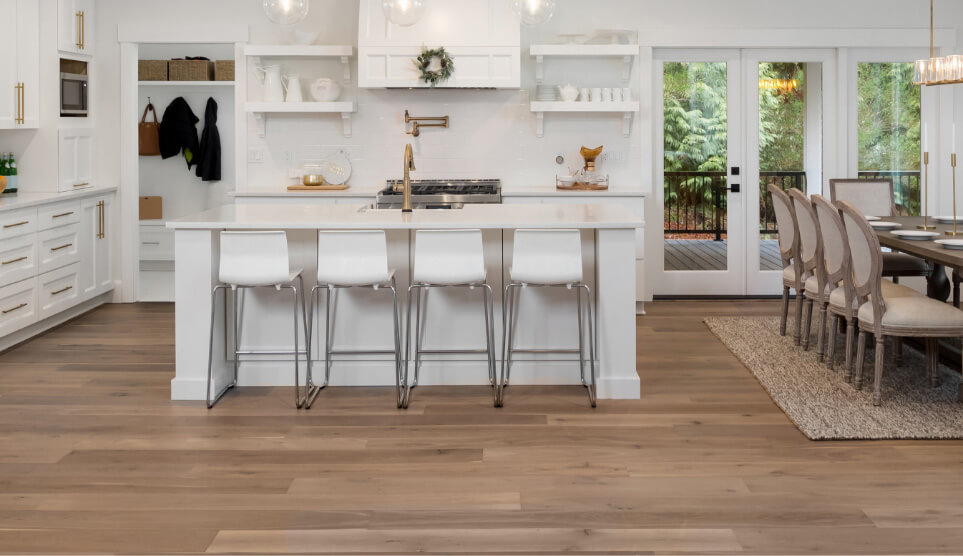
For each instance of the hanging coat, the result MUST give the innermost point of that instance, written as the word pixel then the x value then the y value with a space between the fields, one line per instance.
pixel 178 132
pixel 209 155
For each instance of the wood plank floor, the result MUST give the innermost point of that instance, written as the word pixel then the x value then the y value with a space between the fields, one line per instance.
pixel 706 254
pixel 94 457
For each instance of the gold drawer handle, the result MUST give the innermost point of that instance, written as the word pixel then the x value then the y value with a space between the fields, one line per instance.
pixel 25 222
pixel 61 215
pixel 61 247
pixel 151 243
pixel 17 308
pixel 14 261
pixel 58 292
pixel 85 184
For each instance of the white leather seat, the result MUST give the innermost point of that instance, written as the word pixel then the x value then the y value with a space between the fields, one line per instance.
pixel 812 288
pixel 550 257
pixel 449 257
pixel 914 312
pixel 890 291
pixel 255 259
pixel 353 258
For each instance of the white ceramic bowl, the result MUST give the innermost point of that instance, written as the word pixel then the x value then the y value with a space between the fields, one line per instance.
pixel 566 180
pixel 306 37
pixel 325 90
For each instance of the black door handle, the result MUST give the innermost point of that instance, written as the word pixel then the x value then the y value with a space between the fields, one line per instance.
pixel 734 188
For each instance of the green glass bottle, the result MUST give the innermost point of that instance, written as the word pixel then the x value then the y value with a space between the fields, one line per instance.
pixel 11 175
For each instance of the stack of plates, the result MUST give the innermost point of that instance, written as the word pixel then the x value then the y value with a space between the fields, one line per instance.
pixel 546 93
pixel 948 219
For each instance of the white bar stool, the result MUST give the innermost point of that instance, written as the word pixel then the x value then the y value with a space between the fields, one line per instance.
pixel 353 259
pixel 547 258
pixel 449 259
pixel 256 260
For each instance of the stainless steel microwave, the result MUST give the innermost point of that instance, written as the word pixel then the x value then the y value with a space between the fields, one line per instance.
pixel 73 95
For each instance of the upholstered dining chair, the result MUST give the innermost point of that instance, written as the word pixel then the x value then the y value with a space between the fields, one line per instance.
pixel 816 287
pixel 842 301
pixel 878 198
pixel 920 317
pixel 793 276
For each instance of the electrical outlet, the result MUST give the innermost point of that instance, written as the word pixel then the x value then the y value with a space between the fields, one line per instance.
pixel 255 156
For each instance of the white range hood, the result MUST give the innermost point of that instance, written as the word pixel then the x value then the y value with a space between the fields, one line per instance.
pixel 482 37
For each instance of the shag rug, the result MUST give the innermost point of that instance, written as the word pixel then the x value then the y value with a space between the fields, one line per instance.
pixel 824 406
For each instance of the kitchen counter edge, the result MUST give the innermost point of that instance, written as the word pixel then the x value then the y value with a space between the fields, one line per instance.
pixel 27 200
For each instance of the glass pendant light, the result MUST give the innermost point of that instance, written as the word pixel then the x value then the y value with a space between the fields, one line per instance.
pixel 286 12
pixel 937 70
pixel 534 12
pixel 403 12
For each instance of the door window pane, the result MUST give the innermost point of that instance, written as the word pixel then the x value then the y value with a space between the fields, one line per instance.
pixel 696 150
pixel 888 125
pixel 784 118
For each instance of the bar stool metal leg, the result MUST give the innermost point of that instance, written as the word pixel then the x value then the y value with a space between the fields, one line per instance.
pixel 592 388
pixel 210 352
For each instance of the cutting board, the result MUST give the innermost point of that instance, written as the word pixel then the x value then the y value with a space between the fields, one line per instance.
pixel 318 187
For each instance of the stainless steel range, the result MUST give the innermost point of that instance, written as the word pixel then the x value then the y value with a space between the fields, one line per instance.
pixel 441 194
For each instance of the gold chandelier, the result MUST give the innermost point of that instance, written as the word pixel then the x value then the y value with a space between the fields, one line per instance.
pixel 938 71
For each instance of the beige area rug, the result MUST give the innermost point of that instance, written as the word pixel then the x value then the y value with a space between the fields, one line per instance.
pixel 824 406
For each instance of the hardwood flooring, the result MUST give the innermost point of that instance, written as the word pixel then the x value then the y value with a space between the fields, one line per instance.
pixel 94 457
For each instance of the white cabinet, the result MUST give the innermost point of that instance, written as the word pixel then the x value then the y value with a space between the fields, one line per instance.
pixel 58 291
pixel 75 26
pixel 20 65
pixel 96 235
pixel 76 158
pixel 18 306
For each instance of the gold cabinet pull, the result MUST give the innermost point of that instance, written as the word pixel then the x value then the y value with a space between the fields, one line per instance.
pixel 82 184
pixel 102 234
pixel 17 308
pixel 80 30
pixel 5 263
pixel 58 292
pixel 20 119
pixel 24 223
pixel 61 215
pixel 61 247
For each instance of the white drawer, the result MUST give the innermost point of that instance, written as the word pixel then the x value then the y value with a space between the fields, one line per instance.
pixel 58 290
pixel 58 247
pixel 156 244
pixel 18 306
pixel 58 214
pixel 18 259
pixel 18 223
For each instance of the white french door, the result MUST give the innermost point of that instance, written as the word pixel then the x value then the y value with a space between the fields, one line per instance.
pixel 718 151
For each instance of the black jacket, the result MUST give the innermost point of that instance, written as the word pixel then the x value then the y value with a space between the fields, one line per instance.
pixel 209 155
pixel 178 132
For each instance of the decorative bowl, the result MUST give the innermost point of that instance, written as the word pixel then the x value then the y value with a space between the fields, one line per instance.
pixel 325 90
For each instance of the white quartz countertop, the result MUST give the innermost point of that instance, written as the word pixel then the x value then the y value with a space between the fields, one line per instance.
pixel 26 200
pixel 511 192
pixel 346 217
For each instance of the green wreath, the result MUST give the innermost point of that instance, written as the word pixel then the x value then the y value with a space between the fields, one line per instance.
pixel 423 62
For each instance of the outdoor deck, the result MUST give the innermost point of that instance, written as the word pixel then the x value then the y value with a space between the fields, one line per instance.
pixel 707 254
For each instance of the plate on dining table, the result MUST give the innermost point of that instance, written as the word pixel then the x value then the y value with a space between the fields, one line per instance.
pixel 955 244
pixel 948 219
pixel 884 226
pixel 872 218
pixel 915 235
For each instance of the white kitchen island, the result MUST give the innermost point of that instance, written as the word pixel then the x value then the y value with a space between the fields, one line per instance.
pixel 455 319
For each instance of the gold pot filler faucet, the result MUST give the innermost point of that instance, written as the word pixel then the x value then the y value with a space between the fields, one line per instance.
pixel 416 125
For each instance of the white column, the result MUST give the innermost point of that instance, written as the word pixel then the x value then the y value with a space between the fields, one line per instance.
pixel 615 295
pixel 194 257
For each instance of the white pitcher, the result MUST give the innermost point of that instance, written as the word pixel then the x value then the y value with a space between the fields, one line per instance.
pixel 292 86
pixel 271 78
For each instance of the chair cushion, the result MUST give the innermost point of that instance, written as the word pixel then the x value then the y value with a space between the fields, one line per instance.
pixel 789 275
pixel 903 264
pixel 915 312
pixel 812 288
pixel 890 291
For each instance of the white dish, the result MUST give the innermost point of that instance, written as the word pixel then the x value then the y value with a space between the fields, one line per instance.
pixel 955 244
pixel 915 235
pixel 872 218
pixel 336 170
pixel 884 226
pixel 948 219
pixel 306 37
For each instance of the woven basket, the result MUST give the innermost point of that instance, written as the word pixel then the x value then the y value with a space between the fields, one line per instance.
pixel 191 70
pixel 152 70
pixel 224 70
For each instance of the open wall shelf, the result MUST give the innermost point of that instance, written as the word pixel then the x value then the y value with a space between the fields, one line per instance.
pixel 344 52
pixel 262 109
pixel 627 52
pixel 627 109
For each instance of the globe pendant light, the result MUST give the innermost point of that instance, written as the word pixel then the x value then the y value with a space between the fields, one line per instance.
pixel 286 12
pixel 403 12
pixel 534 12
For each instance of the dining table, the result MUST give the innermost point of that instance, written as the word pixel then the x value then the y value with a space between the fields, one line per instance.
pixel 938 284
